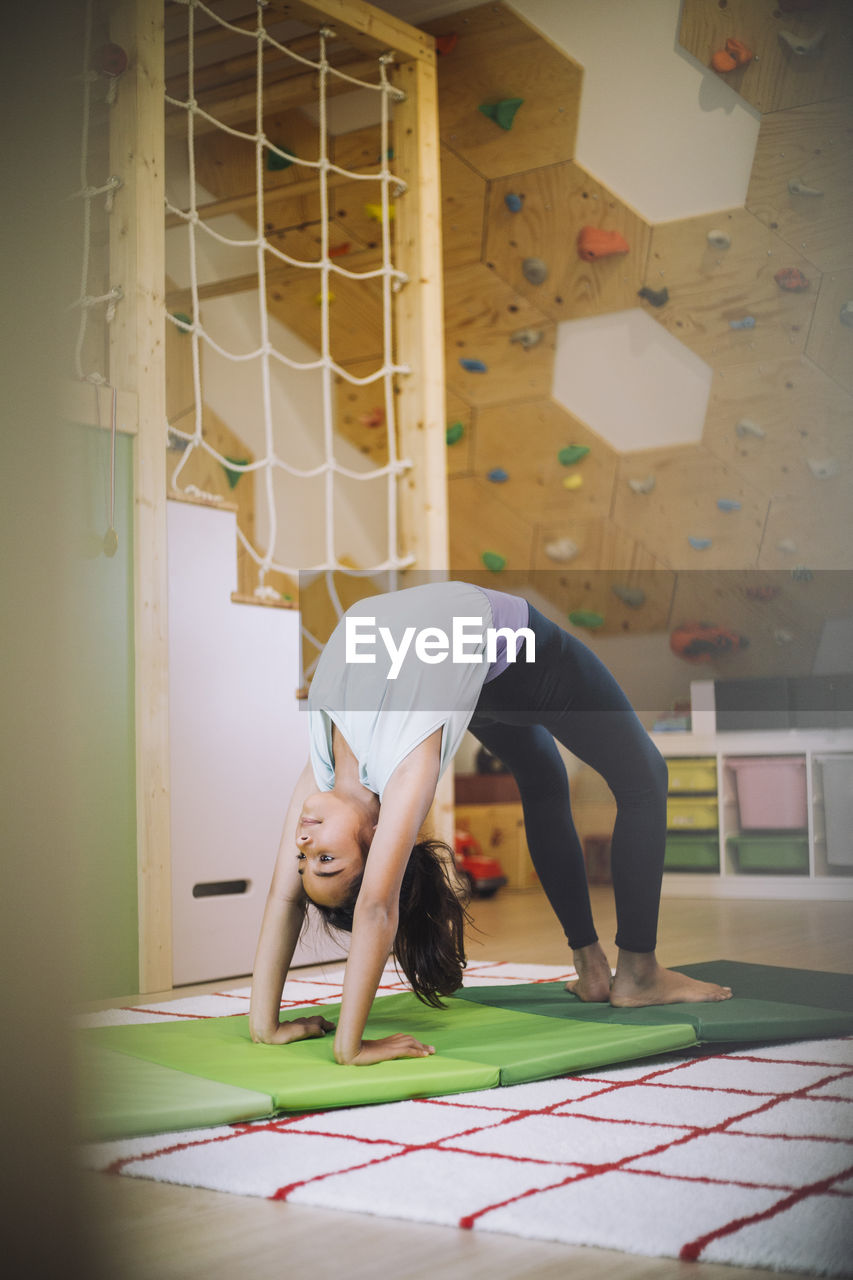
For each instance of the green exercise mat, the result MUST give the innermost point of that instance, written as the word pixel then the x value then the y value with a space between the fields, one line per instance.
pixel 817 1004
pixel 477 1047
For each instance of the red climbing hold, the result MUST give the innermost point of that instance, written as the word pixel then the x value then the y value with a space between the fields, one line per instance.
pixel 792 280
pixel 595 243
pixel 110 60
pixel 736 54
pixel 339 250
pixel 446 44
pixel 705 642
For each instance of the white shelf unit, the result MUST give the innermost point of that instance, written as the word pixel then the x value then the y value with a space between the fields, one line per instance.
pixel 823 879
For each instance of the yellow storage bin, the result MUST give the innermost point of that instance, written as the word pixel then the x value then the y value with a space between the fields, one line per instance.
pixel 691 774
pixel 692 813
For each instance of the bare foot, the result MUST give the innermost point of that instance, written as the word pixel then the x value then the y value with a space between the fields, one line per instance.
pixel 641 981
pixel 594 978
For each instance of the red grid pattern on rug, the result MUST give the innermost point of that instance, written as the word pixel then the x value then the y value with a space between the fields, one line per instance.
pixel 766 1133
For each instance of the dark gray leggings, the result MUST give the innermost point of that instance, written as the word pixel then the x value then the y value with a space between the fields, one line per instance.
pixel 568 694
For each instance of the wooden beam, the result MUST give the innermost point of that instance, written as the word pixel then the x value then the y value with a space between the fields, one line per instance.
pixel 277 277
pixel 361 25
pixel 273 195
pixel 213 75
pixel 137 365
pixel 237 105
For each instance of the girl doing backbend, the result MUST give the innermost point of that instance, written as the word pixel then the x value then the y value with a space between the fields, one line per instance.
pixel 378 748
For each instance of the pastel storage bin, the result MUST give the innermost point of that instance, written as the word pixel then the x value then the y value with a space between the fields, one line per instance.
pixel 692 813
pixel 837 778
pixel 689 774
pixel 768 854
pixel 771 792
pixel 691 853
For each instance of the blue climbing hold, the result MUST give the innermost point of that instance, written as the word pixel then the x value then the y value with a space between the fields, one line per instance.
pixel 497 475
pixel 513 202
pixel 748 322
pixel 699 544
pixel 474 366
pixel 728 504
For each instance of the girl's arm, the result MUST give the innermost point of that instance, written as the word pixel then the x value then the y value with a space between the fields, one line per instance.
pixel 283 918
pixel 405 804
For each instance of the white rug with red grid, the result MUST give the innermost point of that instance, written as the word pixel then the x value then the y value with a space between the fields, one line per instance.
pixel 743 1157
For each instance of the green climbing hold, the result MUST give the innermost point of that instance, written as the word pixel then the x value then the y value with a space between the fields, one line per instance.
pixel 503 112
pixel 454 432
pixel 571 454
pixel 493 561
pixel 234 476
pixel 185 322
pixel 586 618
pixel 278 159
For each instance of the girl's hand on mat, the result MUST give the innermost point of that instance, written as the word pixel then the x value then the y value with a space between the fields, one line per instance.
pixel 297 1029
pixel 389 1048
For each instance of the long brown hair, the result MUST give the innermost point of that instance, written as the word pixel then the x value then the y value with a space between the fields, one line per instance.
pixel 429 945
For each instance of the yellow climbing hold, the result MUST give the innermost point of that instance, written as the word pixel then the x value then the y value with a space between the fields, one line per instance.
pixel 318 298
pixel 374 211
pixel 573 482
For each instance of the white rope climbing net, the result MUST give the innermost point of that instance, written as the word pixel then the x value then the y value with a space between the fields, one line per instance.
pixel 326 268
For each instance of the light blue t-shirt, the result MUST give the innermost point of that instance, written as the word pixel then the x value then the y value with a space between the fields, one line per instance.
pixel 384 719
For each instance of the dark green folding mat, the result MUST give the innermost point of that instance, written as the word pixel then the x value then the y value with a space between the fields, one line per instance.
pixel 153 1077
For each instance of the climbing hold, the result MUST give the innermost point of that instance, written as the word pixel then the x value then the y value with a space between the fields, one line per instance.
pixel 573 482
pixel 234 477
pixel 454 432
pixel 497 475
pixel 735 55
pixel 728 504
pixel 185 323
pixel 824 468
pixel 513 202
pixel 534 270
pixel 655 297
pixel 762 593
pixel 318 298
pixel 375 418
pixel 788 545
pixel 792 280
pixel 699 544
pixel 804 47
pixel 527 338
pixel 719 239
pixel 503 112
pixel 110 60
pixel 801 574
pixel 338 250
pixel 631 596
pixel 493 561
pixel 586 618
pixel 845 315
pixel 278 158
pixel 703 641
pixel 446 44
pixel 797 187
pixel 746 427
pixel 783 637
pixel 374 211
pixel 595 243
pixel 561 550
pixel 642 486
pixel 473 366
pixel 573 453
pixel 748 322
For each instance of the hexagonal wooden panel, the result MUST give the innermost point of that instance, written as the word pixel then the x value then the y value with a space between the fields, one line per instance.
pixel 804 415
pixel 524 440
pixel 819 531
pixel 498 56
pixel 777 77
pixel 360 413
pixel 355 314
pixel 712 288
pixel 478 524
pixel 482 313
pixel 683 505
pixel 557 202
pixel 463 199
pixel 460 453
pixel 812 144
pixel 830 342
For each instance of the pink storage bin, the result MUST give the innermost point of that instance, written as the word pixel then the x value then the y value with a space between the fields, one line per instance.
pixel 771 792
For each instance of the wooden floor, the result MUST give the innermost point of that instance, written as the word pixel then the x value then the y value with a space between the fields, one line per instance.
pixel 152 1231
